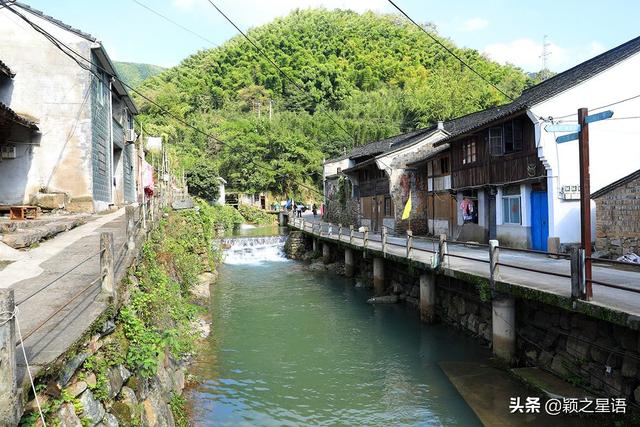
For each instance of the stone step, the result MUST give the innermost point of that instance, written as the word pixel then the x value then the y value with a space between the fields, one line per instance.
pixel 25 237
pixel 547 383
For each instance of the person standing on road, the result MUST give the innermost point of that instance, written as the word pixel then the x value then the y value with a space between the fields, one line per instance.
pixel 299 211
pixel 314 210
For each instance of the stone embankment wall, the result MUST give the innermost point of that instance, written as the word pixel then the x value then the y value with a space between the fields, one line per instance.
pixel 593 353
pixel 88 392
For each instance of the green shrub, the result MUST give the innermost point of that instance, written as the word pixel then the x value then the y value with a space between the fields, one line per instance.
pixel 256 216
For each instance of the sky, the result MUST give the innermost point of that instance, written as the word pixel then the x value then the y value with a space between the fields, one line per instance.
pixel 507 31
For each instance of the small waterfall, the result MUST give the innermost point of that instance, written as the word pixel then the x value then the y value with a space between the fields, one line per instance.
pixel 253 250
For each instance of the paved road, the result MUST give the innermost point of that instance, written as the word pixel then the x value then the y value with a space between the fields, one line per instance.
pixel 424 250
pixel 42 289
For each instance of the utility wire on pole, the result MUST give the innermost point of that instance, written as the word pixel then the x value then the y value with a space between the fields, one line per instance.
pixel 278 68
pixel 448 50
pixel 76 57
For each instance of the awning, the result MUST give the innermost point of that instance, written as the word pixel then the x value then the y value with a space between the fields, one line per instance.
pixel 8 118
pixel 360 166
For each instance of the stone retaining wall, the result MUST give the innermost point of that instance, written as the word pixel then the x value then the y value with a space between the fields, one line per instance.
pixel 586 351
pixel 592 353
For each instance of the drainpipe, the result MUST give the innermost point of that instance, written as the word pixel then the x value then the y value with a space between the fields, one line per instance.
pixel 111 140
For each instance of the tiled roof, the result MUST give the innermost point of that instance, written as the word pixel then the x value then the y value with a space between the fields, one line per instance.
pixel 382 146
pixel 56 21
pixel 545 90
pixel 427 152
pixel 530 97
pixel 616 184
pixel 4 69
pixel 8 114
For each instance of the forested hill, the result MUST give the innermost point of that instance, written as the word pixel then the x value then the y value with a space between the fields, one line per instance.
pixel 373 75
pixel 134 74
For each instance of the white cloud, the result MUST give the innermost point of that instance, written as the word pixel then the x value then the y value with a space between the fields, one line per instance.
pixel 475 24
pixel 526 53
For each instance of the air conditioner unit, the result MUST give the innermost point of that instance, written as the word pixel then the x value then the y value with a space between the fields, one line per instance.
pixel 130 135
pixel 8 151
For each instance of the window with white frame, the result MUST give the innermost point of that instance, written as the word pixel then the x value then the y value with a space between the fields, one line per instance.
pixel 469 154
pixel 101 88
pixel 511 206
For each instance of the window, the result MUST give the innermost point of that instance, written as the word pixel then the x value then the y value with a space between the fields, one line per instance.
pixel 469 154
pixel 495 141
pixel 513 136
pixel 511 209
pixel 101 89
pixel 388 207
pixel 507 138
pixel 444 165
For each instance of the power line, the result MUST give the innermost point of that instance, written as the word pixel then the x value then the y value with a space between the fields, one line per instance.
pixel 177 24
pixel 68 51
pixel 449 51
pixel 277 67
pixel 631 98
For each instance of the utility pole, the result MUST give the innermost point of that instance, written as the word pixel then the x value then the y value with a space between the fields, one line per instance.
pixel 270 108
pixel 545 54
pixel 585 197
pixel 581 133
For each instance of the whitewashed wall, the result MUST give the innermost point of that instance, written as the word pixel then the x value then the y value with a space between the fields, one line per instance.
pixel 614 147
pixel 54 90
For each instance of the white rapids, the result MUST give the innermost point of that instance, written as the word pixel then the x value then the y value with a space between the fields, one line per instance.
pixel 253 250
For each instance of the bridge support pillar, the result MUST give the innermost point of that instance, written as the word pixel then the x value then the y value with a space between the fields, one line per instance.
pixel 378 275
pixel 315 244
pixel 326 253
pixel 282 219
pixel 348 262
pixel 504 327
pixel 427 297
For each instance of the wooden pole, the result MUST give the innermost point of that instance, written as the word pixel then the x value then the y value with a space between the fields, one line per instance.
pixel 585 197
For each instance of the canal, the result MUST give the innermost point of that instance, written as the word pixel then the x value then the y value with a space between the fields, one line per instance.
pixel 294 347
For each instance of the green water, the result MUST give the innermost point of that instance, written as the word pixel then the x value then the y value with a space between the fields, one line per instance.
pixel 292 347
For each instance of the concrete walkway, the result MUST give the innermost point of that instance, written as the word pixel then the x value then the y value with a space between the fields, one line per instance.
pixel 47 278
pixel 543 280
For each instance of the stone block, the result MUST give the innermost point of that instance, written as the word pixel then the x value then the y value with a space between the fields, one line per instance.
pixel 629 366
pixel 558 366
pixel 67 416
pixel 545 358
pixel 109 421
pixel 76 389
pixel 116 377
pixel 472 323
pixel 92 410
pixel 578 348
pixel 49 201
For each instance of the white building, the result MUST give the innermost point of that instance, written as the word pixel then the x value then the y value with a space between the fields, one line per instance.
pixel 85 116
pixel 607 82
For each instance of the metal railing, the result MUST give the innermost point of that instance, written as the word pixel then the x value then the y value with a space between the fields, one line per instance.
pixel 443 256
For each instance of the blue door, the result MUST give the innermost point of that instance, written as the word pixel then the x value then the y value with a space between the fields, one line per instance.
pixel 539 220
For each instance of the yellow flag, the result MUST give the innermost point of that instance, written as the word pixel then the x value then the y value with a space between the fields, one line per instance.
pixel 407 208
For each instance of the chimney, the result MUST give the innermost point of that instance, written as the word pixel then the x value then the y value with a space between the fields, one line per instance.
pixel 440 125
